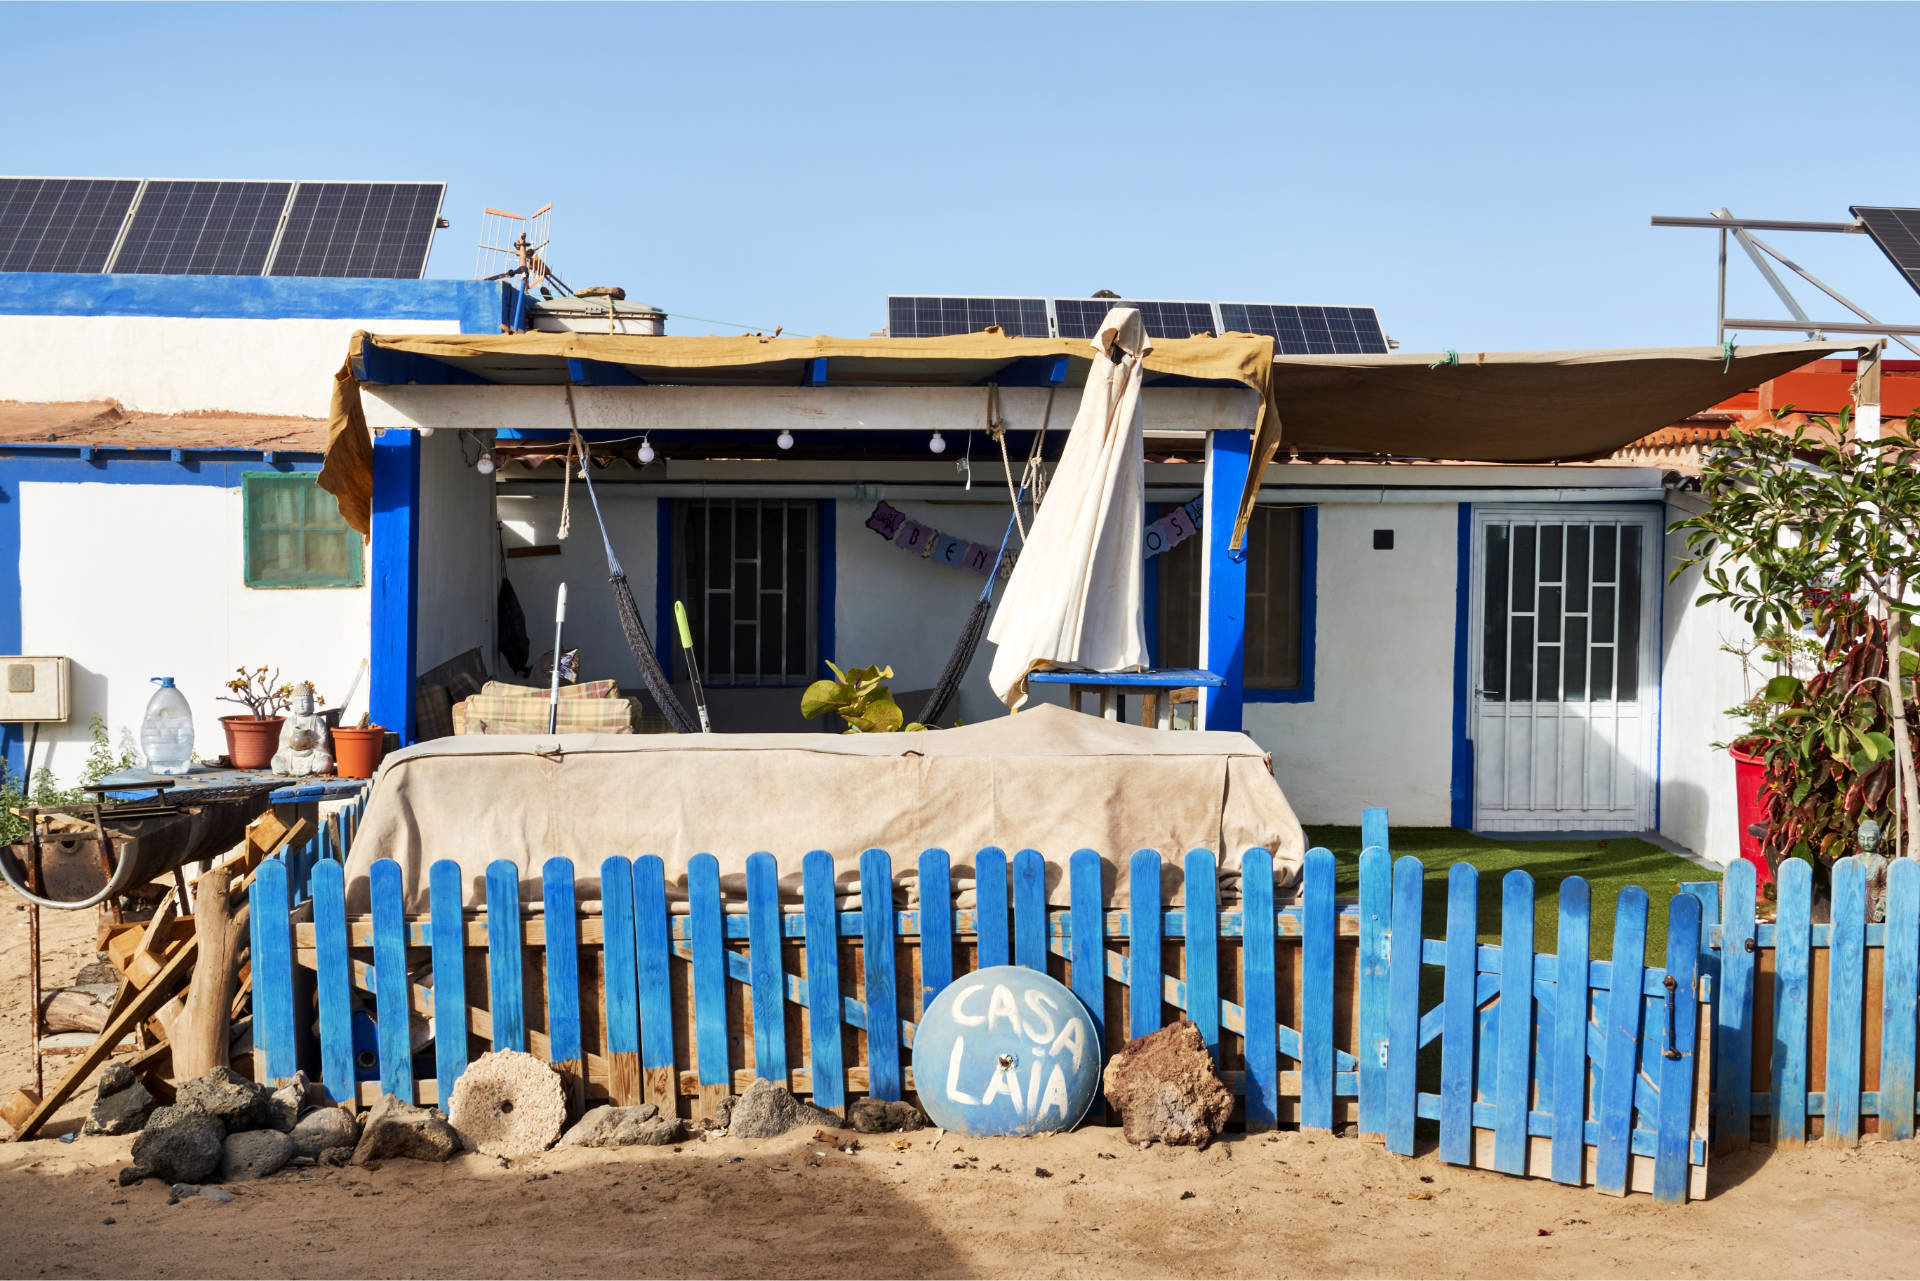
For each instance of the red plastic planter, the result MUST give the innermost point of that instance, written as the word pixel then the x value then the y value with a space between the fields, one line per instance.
pixel 1750 790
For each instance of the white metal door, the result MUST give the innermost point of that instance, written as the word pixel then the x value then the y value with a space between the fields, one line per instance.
pixel 1565 669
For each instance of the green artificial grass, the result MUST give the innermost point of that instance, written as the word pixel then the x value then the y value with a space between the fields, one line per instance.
pixel 1608 866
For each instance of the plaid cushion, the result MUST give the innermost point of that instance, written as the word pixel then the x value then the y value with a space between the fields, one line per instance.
pixel 432 712
pixel 591 689
pixel 462 685
pixel 517 714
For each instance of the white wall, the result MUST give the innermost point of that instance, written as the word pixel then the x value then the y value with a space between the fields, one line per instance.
pixel 459 573
pixel 1379 730
pixel 1698 683
pixel 169 365
pixel 593 624
pixel 134 581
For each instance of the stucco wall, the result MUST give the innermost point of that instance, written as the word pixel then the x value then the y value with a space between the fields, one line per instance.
pixel 1698 683
pixel 167 364
pixel 459 553
pixel 593 624
pixel 1379 730
pixel 194 619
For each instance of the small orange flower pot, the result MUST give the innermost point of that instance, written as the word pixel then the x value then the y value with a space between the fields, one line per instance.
pixel 357 751
pixel 252 740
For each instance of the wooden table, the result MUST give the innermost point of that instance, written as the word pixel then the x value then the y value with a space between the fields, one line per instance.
pixel 1158 690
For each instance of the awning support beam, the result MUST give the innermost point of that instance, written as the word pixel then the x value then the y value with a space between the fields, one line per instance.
pixel 601 373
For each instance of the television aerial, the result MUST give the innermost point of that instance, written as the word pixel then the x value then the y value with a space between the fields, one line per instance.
pixel 515 246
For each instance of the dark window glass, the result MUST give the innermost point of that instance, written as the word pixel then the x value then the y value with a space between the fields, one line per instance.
pixel 1493 634
pixel 1629 640
pixel 1521 666
pixel 746 570
pixel 1274 576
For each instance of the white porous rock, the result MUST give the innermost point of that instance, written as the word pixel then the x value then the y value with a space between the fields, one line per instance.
pixel 509 1104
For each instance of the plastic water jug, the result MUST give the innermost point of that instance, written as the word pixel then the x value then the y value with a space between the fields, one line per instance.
pixel 166 735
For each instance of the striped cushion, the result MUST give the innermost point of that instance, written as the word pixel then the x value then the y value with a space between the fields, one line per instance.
pixel 518 714
pixel 591 689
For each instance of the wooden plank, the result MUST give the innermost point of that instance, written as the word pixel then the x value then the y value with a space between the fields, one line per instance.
pixel 505 986
pixel 1513 1060
pixel 273 1030
pixel 1030 910
pixel 1458 1024
pixel 1733 1005
pixel 1086 929
pixel 1259 994
pixel 706 932
pixel 1846 979
pixel 1316 994
pixel 769 970
pixel 620 980
pixel 1143 943
pixel 333 991
pixel 1899 997
pixel 653 944
pixel 936 924
pixel 1403 1006
pixel 824 1024
pixel 1682 1014
pixel 1570 1019
pixel 1792 961
pixel 876 939
pixel 1613 1096
pixel 1202 921
pixel 1376 923
pixel 990 895
pixel 563 979
pixel 449 975
pixel 392 1016
pixel 1373 830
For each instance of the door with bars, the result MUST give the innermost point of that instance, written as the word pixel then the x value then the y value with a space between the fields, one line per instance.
pixel 1565 669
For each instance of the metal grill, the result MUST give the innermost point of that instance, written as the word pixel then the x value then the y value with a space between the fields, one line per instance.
pixel 748 570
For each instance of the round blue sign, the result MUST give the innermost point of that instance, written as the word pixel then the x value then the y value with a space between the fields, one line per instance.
pixel 1006 1050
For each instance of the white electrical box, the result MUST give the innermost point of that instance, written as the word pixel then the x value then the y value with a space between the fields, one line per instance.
pixel 33 689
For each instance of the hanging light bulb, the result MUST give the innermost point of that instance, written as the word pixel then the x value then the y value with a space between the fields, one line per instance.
pixel 426 431
pixel 939 443
pixel 485 465
pixel 784 439
pixel 646 452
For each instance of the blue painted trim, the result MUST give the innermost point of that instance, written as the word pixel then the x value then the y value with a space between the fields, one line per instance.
pixel 829 585
pixel 1659 669
pixel 665 645
pixel 601 373
pixel 383 367
pixel 1223 637
pixel 817 372
pixel 1156 678
pixel 1309 616
pixel 1460 789
pixel 480 306
pixel 63 464
pixel 395 536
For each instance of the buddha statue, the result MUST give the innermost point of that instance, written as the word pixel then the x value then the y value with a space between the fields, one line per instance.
pixel 303 738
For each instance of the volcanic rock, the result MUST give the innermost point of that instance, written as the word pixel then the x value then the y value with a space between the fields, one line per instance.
pixel 1164 1089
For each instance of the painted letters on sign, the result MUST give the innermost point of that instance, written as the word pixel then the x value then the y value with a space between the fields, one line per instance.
pixel 1006 1050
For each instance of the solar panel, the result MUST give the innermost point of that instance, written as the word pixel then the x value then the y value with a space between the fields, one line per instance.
pixel 1308 331
pixel 1897 232
pixel 1080 317
pixel 62 224
pixel 382 229
pixel 931 316
pixel 195 228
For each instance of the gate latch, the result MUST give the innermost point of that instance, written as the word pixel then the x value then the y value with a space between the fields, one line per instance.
pixel 1670 1051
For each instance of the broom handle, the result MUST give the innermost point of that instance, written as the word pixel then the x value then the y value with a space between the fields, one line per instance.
pixel 553 690
pixel 693 668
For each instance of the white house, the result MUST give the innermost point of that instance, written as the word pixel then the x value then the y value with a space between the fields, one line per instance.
pixel 1374 636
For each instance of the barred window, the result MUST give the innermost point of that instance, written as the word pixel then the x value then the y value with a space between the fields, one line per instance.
pixel 748 570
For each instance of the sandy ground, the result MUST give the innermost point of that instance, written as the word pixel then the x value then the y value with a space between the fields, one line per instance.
pixel 1077 1205
pixel 66 947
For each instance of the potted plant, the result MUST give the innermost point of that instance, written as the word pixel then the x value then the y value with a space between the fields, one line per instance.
pixel 357 749
pixel 861 698
pixel 1789 654
pixel 1814 536
pixel 253 738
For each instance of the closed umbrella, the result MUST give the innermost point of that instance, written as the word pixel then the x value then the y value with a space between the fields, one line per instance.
pixel 1075 599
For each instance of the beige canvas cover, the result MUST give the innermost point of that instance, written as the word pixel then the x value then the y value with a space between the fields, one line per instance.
pixel 1047 779
pixel 1076 597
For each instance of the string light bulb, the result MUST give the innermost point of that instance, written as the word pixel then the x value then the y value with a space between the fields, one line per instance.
pixel 484 465
pixel 425 431
pixel 784 439
pixel 646 451
pixel 939 443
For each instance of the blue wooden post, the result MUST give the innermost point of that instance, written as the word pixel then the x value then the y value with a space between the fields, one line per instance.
pixel 395 540
pixel 1223 625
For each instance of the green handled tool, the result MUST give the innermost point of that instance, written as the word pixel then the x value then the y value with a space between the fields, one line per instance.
pixel 693 668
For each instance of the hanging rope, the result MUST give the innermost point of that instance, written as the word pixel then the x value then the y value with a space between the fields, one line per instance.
pixel 997 428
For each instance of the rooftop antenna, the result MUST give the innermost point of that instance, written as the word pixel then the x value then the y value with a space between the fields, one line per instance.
pixel 515 246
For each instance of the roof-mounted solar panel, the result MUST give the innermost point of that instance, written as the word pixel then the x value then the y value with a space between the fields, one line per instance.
pixel 936 315
pixel 1897 232
pixel 1081 317
pixel 183 227
pixel 62 224
pixel 1299 330
pixel 374 229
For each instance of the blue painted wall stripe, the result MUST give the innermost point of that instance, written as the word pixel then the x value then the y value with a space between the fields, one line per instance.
pixel 394 581
pixel 1461 788
pixel 480 306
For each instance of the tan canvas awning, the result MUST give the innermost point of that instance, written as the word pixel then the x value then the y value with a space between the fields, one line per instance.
pixel 1502 407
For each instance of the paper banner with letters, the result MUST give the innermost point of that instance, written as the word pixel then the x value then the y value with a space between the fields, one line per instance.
pixel 929 544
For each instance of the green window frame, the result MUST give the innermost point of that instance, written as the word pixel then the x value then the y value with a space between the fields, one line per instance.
pixel 295 535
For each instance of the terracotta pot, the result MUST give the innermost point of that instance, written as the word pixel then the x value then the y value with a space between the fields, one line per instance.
pixel 252 740
pixel 357 752
pixel 1750 791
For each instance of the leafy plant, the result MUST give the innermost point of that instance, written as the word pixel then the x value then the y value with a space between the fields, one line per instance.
pixel 861 698
pixel 1814 537
pixel 1787 654
pixel 45 792
pixel 262 695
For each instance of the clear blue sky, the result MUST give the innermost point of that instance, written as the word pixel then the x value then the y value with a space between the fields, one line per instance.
pixel 1481 174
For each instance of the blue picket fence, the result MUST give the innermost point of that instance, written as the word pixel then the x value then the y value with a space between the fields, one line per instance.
pixel 1815 1025
pixel 1588 1075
